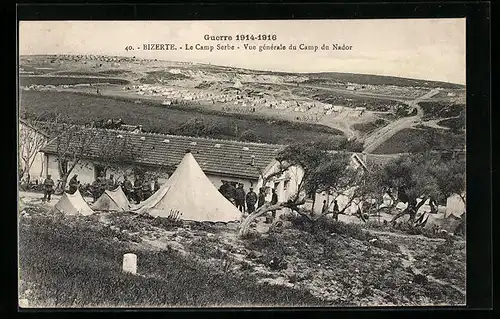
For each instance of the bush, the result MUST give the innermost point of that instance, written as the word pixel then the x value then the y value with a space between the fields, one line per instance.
pixel 171 221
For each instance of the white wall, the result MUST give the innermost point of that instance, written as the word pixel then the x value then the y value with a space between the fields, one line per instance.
pixel 36 171
pixel 294 175
pixel 86 174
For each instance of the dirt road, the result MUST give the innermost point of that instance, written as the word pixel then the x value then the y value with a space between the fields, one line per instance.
pixel 379 136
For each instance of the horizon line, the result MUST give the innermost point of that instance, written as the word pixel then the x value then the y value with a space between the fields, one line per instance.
pixel 240 68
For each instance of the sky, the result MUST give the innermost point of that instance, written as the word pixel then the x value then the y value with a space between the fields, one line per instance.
pixel 429 49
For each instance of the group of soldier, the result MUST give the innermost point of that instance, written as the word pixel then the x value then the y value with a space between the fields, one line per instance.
pixel 138 191
pixel 247 203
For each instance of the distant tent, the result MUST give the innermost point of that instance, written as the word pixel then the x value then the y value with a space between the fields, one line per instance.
pixel 449 223
pixel 455 206
pixel 73 204
pixel 237 84
pixel 115 201
pixel 190 193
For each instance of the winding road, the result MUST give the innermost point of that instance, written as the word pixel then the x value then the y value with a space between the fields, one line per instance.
pixel 379 136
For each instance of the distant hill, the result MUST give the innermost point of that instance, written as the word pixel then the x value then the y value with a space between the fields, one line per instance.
pixel 370 79
pixel 314 77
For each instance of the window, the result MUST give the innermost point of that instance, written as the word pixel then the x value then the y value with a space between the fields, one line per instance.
pixel 276 185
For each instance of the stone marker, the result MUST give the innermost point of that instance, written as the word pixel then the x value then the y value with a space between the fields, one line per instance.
pixel 130 263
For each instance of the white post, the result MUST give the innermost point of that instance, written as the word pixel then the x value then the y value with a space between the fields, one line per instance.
pixel 130 263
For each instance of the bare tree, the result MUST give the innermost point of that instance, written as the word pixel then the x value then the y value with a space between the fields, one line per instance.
pixel 31 139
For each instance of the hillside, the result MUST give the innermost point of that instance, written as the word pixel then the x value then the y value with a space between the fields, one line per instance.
pixel 345 103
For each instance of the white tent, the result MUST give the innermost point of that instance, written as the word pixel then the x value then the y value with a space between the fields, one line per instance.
pixel 115 200
pixel 73 205
pixel 455 206
pixel 190 193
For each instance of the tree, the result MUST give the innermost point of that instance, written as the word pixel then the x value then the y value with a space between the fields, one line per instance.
pixel 73 143
pixel 425 175
pixel 322 171
pixel 31 139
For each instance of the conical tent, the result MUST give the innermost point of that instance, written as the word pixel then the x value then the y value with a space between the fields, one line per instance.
pixel 190 193
pixel 73 204
pixel 449 223
pixel 114 200
pixel 455 206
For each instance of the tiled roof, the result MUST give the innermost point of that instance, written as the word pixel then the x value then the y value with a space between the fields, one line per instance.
pixel 221 157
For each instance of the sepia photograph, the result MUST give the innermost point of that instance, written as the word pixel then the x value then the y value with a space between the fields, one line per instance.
pixel 242 163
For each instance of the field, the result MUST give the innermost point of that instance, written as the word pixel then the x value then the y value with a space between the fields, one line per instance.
pixel 418 140
pixel 83 108
pixel 76 262
pixel 45 80
pixel 369 127
pixel 440 110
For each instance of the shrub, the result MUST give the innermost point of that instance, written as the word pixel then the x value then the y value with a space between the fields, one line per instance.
pixel 387 246
pixel 171 221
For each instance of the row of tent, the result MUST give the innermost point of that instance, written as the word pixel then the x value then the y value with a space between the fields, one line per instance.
pixel 188 192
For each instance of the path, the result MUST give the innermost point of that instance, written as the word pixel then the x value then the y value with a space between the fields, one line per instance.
pixel 408 260
pixel 379 136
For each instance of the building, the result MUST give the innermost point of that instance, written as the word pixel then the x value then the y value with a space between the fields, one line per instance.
pixel 287 183
pixel 220 160
pixel 31 140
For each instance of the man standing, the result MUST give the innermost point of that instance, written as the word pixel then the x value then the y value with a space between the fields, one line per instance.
pixel 111 183
pixel 262 198
pixel 335 210
pixel 146 189
pixel 48 188
pixel 138 189
pixel 274 201
pixel 324 209
pixel 251 199
pixel 157 185
pixel 73 184
pixel 240 198
pixel 127 186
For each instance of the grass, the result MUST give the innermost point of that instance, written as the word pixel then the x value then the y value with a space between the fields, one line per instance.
pixel 418 140
pixel 84 108
pixel 156 77
pixel 74 265
pixel 369 127
pixel 437 110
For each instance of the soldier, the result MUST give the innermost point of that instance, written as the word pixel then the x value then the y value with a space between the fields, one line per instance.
pixel 335 210
pixel 251 199
pixel 240 198
pixel 138 189
pixel 48 188
pixel 73 184
pixel 156 185
pixel 146 189
pixel 274 201
pixel 127 186
pixel 95 189
pixel 262 197
pixel 111 183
